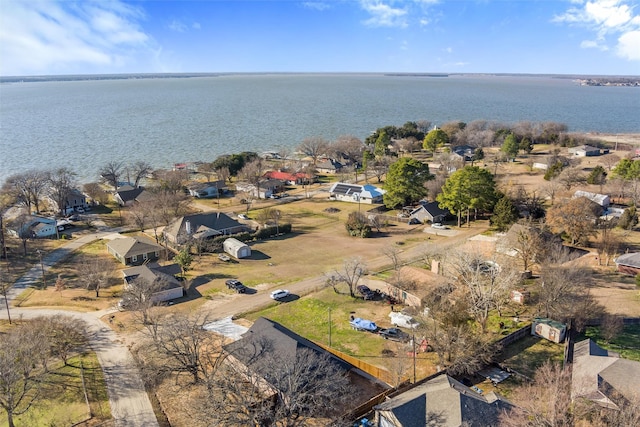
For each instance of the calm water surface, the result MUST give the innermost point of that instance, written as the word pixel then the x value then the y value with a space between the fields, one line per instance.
pixel 85 124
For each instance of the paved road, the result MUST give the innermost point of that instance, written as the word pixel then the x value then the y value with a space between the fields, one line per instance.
pixel 130 405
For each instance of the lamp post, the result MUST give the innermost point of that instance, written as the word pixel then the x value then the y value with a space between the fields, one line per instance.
pixel 44 282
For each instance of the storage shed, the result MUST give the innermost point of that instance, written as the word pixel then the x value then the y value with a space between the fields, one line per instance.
pixel 549 329
pixel 236 248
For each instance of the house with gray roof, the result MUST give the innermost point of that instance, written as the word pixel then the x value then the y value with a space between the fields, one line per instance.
pixel 601 199
pixel 428 212
pixel 602 376
pixel 628 263
pixel 356 193
pixel 201 226
pixel 266 338
pixel 584 151
pixel 207 189
pixel 127 195
pixel 135 250
pixel 166 288
pixel 441 401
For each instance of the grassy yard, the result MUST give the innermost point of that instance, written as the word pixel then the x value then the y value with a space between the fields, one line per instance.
pixel 528 354
pixel 309 317
pixel 62 401
pixel 627 344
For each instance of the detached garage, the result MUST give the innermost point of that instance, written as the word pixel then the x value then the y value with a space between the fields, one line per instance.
pixel 236 248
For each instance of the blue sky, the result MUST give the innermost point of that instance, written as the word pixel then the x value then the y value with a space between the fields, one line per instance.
pixel 47 37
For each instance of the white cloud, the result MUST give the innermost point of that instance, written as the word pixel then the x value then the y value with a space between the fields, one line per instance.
pixel 629 46
pixel 611 21
pixel 196 26
pixel 449 50
pixel 177 26
pixel 316 5
pixel 53 37
pixel 384 14
pixel 404 45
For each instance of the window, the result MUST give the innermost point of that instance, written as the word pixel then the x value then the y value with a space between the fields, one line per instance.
pixel 145 256
pixel 134 258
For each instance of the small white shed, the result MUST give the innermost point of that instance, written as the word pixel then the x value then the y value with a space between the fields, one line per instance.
pixel 236 248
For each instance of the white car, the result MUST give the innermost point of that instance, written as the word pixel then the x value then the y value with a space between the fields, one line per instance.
pixel 243 216
pixel 439 226
pixel 279 294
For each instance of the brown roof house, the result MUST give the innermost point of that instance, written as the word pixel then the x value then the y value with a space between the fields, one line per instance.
pixel 268 341
pixel 201 226
pixel 416 283
pixel 134 250
pixel 441 401
pixel 602 376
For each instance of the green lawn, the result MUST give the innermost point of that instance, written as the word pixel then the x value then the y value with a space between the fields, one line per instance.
pixel 627 344
pixel 62 401
pixel 529 353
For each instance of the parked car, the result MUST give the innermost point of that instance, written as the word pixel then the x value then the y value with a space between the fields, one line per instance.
pixel 366 293
pixel 403 320
pixel 363 324
pixel 284 195
pixel 243 216
pixel 236 285
pixel 274 196
pixel 439 226
pixel 394 334
pixel 224 257
pixel 80 209
pixel 279 294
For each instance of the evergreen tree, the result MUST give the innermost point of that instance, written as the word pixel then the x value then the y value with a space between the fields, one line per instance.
pixel 184 260
pixel 434 139
pixel 629 218
pixel 553 171
pixel 504 214
pixel 510 146
pixel 469 188
pixel 405 182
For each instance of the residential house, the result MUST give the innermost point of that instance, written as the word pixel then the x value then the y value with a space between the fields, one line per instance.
pixel 74 200
pixel 441 401
pixel 271 341
pixel 128 195
pixel 201 226
pixel 428 212
pixel 356 193
pixel 602 376
pixel 135 250
pixel 290 178
pixel 207 189
pixel 34 226
pixel 417 283
pixel 328 166
pixel 263 190
pixel 628 263
pixel 584 151
pixel 165 285
pixel 601 199
pixel 466 152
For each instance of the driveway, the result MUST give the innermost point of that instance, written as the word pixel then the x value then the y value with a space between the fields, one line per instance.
pixel 130 405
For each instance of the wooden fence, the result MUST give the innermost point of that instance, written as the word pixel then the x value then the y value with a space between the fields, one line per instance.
pixel 376 371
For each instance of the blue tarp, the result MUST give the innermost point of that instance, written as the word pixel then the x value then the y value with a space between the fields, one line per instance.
pixel 363 325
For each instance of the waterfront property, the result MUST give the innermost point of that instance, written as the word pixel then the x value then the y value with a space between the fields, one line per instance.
pixel 356 193
pixel 134 250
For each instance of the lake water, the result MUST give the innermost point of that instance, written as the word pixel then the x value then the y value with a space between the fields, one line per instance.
pixel 85 124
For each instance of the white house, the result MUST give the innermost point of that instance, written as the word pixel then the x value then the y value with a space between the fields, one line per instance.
pixel 356 193
pixel 236 248
pixel 601 199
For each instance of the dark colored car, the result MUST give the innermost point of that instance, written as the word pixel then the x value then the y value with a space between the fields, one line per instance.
pixel 366 292
pixel 394 334
pixel 236 285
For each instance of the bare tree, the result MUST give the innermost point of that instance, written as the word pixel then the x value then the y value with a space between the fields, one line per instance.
pixel 61 182
pixel 612 325
pixel 484 283
pixel 313 147
pixel 27 189
pixel 137 214
pixel 95 192
pixel 110 174
pixel 347 147
pixel 545 402
pixel 551 189
pixel 272 387
pixel 570 177
pixel 172 182
pixel 352 272
pixel 138 295
pixel 252 172
pixel 97 272
pixel 64 335
pixel 140 170
pixel 380 166
pixel 530 242
pixel 575 217
pixel 22 351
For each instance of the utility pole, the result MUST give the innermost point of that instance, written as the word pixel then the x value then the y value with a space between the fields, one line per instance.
pixel 329 326
pixel 413 340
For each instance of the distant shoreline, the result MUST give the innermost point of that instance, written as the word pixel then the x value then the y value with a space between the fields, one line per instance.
pixel 133 76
